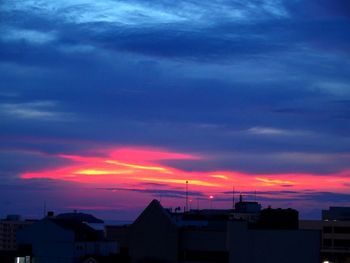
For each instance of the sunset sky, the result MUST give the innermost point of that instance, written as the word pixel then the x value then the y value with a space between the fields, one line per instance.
pixel 106 105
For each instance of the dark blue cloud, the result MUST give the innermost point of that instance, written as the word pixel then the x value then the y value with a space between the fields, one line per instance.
pixel 319 8
pixel 297 196
pixel 159 193
pixel 260 86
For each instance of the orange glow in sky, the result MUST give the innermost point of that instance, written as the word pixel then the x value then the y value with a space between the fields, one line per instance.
pixel 142 167
pixel 135 167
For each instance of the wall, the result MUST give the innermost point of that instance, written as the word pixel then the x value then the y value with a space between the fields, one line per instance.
pixel 50 243
pixel 272 246
pixel 153 236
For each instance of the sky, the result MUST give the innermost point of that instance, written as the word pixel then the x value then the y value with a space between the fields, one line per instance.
pixel 106 105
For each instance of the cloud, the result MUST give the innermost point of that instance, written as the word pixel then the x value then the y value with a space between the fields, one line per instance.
pixel 295 197
pixel 326 197
pixel 141 12
pixel 319 8
pixel 39 110
pixel 160 192
pixel 275 132
pixel 9 94
pixel 87 11
pixel 129 166
pixel 31 36
pixel 334 88
pixel 254 87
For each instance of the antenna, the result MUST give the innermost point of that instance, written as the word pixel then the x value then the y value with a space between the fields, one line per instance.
pixel 186 195
pixel 211 197
pixel 44 208
pixel 240 198
pixel 255 195
pixel 233 197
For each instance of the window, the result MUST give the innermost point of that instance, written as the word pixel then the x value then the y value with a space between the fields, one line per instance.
pixel 327 242
pixel 206 256
pixel 327 229
pixel 342 230
pixel 344 243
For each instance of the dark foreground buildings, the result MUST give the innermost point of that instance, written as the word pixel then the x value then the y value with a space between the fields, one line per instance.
pixel 246 234
pixel 220 236
pixel 8 236
pixel 335 232
pixel 67 238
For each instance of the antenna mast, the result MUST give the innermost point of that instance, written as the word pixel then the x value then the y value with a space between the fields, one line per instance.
pixel 233 197
pixel 44 208
pixel 186 195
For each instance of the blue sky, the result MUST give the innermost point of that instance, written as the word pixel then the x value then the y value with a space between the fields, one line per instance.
pixel 256 86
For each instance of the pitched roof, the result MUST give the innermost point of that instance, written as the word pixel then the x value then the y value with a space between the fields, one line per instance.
pixel 152 208
pixel 82 232
pixel 82 217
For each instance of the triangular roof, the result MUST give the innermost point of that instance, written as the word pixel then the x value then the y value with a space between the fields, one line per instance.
pixel 90 260
pixel 153 208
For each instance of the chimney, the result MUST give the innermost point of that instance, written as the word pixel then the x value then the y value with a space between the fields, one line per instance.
pixel 50 214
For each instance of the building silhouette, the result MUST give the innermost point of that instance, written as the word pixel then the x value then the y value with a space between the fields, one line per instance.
pixel 335 234
pixel 160 235
pixel 8 236
pixel 246 233
pixel 8 231
pixel 63 239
